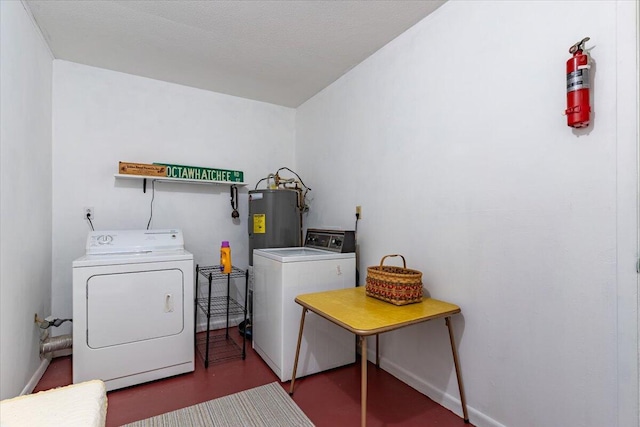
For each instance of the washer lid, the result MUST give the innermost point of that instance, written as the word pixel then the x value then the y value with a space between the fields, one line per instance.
pixel 300 254
pixel 133 241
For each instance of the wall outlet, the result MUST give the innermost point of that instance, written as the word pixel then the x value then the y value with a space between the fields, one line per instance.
pixel 359 212
pixel 88 211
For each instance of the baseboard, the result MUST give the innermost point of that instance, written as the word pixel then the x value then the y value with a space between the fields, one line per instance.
pixel 62 353
pixel 450 402
pixel 35 378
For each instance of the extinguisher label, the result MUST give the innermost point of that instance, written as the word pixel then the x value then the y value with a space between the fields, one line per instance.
pixel 578 79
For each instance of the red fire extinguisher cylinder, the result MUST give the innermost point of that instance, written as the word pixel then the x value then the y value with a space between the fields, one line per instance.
pixel 578 84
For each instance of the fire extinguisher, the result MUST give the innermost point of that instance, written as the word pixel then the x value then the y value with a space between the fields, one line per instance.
pixel 578 107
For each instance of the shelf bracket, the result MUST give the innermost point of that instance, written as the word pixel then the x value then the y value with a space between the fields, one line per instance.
pixel 144 185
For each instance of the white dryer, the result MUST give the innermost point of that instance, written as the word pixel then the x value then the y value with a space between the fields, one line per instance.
pixel 133 302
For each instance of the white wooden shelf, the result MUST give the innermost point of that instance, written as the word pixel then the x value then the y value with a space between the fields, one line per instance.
pixel 180 180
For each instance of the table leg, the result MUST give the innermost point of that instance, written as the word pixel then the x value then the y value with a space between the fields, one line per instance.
pixel 363 382
pixel 295 363
pixel 377 350
pixel 463 400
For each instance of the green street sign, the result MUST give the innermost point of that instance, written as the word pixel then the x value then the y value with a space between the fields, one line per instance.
pixel 202 174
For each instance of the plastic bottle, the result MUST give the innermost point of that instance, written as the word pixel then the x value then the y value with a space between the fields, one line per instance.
pixel 225 258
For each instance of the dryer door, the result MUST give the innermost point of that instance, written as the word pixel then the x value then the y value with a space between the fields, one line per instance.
pixel 135 306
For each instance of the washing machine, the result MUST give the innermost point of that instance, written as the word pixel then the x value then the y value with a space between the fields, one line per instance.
pixel 280 274
pixel 133 302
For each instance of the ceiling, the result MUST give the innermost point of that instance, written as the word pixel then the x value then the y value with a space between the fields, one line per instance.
pixel 281 52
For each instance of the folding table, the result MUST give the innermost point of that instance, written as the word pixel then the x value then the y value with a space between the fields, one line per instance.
pixel 353 310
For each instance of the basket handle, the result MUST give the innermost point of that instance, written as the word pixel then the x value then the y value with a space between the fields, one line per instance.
pixel 404 263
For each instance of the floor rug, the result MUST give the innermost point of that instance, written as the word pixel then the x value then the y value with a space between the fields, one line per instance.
pixel 265 406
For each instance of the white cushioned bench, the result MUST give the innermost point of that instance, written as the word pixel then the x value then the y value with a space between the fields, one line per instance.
pixel 77 405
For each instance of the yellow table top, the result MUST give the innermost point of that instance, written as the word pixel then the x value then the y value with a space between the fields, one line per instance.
pixel 353 310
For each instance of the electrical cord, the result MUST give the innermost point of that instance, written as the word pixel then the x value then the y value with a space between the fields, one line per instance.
pixel 356 244
pixel 90 223
pixel 302 195
pixel 153 196
pixel 234 202
pixel 297 176
pixel 46 324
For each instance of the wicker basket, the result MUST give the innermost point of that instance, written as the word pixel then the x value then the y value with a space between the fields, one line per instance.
pixel 396 285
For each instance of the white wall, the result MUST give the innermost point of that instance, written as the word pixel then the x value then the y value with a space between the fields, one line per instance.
pixel 452 140
pixel 102 117
pixel 25 195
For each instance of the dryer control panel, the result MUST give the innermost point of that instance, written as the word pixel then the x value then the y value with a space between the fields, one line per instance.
pixel 133 241
pixel 342 241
